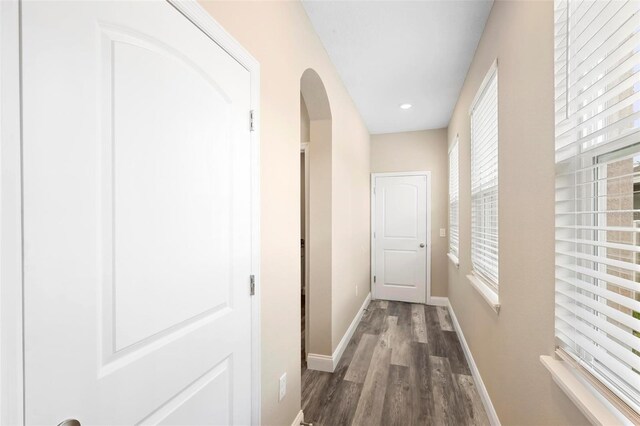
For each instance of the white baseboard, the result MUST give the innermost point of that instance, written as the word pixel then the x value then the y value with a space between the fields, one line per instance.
pixel 482 390
pixel 438 301
pixel 320 362
pixel 337 354
pixel 329 363
pixel 299 419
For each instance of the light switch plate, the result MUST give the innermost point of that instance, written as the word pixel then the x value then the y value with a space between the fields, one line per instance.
pixel 443 232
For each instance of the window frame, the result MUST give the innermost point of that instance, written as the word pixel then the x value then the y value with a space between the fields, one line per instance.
pixel 487 287
pixel 595 67
pixel 454 248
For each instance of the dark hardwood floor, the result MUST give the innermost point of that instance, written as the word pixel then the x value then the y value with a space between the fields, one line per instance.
pixel 403 366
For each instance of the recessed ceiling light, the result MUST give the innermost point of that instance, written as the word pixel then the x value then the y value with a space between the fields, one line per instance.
pixel 406 106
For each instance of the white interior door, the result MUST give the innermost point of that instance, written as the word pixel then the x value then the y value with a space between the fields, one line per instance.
pixel 400 237
pixel 137 236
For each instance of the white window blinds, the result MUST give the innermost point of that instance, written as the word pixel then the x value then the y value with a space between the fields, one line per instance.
pixel 484 181
pixel 453 200
pixel 597 105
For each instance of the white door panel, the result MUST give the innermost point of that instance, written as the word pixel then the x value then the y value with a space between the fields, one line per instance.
pixel 399 215
pixel 400 228
pixel 136 218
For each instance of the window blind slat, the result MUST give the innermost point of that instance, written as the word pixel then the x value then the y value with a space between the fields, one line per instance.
pixel 582 96
pixel 602 309
pixel 571 312
pixel 603 292
pixel 606 25
pixel 616 39
pixel 625 357
pixel 580 22
pixel 603 260
pixel 622 371
pixel 606 115
pixel 598 243
pixel 599 228
pixel 621 282
pixel 607 134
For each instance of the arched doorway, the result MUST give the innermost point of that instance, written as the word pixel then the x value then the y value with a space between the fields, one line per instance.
pixel 315 206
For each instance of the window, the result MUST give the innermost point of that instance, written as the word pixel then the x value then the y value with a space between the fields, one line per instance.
pixel 454 203
pixel 597 80
pixel 484 182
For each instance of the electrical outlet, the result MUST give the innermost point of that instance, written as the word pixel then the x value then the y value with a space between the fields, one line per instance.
pixel 443 232
pixel 283 386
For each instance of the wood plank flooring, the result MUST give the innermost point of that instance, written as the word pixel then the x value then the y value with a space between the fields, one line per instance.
pixel 403 366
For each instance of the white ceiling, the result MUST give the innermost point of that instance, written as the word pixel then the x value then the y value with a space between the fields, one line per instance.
pixel 394 52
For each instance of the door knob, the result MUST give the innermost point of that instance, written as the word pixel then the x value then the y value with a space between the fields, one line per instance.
pixel 421 245
pixel 70 422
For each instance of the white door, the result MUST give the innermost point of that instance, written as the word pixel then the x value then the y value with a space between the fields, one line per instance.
pixel 400 237
pixel 137 244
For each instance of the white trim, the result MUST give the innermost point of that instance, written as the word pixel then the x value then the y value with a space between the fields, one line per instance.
pixel 320 362
pixel 372 244
pixel 299 419
pixel 487 294
pixel 11 367
pixel 457 139
pixel 493 69
pixel 475 373
pixel 304 149
pixel 393 174
pixel 11 334
pixel 454 145
pixel 344 342
pixel 454 260
pixel 193 11
pixel 427 174
pixel 329 363
pixel 589 401
pixel 439 301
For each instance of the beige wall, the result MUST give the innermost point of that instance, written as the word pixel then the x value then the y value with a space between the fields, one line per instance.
pixel 280 36
pixel 320 237
pixel 351 227
pixel 506 347
pixel 425 150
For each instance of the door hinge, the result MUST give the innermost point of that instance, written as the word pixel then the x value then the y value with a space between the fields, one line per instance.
pixel 374 190
pixel 251 120
pixel 374 235
pixel 374 278
pixel 252 284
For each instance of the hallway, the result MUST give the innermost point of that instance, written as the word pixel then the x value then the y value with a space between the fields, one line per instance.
pixel 403 366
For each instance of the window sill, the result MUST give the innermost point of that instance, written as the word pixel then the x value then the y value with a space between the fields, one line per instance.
pixel 589 401
pixel 487 294
pixel 453 260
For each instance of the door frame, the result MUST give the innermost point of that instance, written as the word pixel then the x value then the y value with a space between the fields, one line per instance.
pixel 427 174
pixel 11 267
pixel 304 149
pixel 12 404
